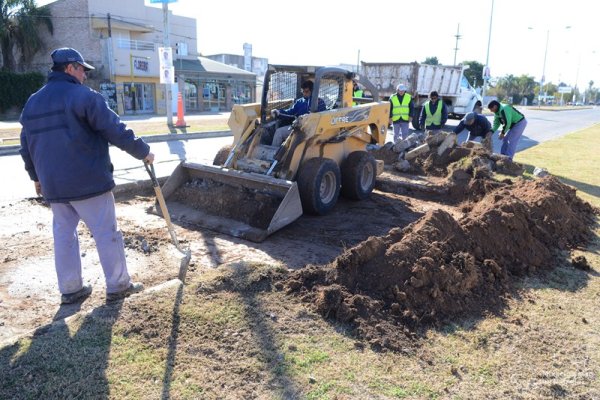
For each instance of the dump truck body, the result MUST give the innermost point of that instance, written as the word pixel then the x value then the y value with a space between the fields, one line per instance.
pixel 449 81
pixel 256 188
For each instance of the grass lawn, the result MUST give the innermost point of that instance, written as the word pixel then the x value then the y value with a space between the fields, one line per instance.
pixel 574 158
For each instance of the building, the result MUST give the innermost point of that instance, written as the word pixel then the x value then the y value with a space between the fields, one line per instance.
pixel 122 42
pixel 246 62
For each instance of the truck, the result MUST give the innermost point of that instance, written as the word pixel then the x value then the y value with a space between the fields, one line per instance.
pixel 449 81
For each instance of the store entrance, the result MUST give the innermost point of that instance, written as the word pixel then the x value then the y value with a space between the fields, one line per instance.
pixel 138 98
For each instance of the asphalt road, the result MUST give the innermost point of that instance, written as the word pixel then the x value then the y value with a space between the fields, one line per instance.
pixel 15 183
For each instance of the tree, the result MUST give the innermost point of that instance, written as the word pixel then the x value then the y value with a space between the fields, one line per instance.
pixel 431 61
pixel 474 73
pixel 20 21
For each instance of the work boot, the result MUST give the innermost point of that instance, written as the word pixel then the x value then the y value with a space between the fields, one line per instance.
pixel 134 287
pixel 80 295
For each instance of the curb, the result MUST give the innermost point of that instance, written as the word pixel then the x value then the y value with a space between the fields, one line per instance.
pixel 14 149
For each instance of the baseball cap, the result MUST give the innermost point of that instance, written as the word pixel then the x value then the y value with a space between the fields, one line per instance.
pixel 66 55
pixel 469 117
pixel 401 87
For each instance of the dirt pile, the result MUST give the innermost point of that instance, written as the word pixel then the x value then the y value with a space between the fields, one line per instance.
pixel 439 268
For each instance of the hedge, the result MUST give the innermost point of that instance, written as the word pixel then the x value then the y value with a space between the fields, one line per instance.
pixel 15 89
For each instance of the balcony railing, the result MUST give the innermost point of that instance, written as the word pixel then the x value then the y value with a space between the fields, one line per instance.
pixel 135 44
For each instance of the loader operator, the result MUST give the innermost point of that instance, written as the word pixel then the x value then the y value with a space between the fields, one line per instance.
pixel 67 128
pixel 434 113
pixel 301 106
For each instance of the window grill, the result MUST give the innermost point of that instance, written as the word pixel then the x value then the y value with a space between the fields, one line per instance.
pixel 284 89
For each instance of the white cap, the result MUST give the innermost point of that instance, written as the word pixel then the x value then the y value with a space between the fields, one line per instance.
pixel 401 87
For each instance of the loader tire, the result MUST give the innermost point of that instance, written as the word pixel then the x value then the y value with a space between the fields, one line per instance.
pixel 359 170
pixel 319 182
pixel 222 155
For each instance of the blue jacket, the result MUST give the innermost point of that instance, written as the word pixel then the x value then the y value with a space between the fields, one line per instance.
pixel 64 141
pixel 480 127
pixel 302 106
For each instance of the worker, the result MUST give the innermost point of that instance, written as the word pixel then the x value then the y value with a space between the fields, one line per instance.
pixel 434 113
pixel 478 126
pixel 513 125
pixel 401 111
pixel 356 92
pixel 67 129
pixel 478 107
pixel 301 106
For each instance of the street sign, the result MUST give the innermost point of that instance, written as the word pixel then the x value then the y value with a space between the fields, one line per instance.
pixel 565 89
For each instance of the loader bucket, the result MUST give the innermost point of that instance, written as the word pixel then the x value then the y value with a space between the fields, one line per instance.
pixel 241 204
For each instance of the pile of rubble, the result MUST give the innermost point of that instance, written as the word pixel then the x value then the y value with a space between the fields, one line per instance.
pixel 431 153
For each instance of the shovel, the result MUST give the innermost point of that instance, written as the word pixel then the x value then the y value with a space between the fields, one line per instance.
pixel 187 254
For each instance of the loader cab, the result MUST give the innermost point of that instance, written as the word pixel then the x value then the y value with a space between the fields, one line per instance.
pixel 282 87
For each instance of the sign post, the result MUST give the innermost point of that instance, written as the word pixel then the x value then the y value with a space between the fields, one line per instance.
pixel 167 74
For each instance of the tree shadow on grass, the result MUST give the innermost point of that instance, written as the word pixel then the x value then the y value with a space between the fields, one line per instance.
pixel 61 360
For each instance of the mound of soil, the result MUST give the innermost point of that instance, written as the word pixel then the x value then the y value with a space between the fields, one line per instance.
pixel 439 268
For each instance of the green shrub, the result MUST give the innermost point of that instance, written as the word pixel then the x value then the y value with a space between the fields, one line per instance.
pixel 15 89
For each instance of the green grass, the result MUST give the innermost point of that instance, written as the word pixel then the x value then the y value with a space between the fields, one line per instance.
pixel 573 158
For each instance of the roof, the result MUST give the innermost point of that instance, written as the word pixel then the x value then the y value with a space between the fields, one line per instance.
pixel 203 64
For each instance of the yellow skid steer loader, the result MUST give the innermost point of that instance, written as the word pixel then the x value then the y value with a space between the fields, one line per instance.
pixel 253 189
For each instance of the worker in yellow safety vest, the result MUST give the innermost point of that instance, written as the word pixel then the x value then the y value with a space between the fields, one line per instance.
pixel 357 92
pixel 401 111
pixel 434 113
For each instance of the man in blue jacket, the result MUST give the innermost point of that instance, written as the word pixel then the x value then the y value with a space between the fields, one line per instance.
pixel 478 126
pixel 300 107
pixel 67 128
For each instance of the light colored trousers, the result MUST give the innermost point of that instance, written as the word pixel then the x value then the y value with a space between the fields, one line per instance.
pixel 400 130
pixel 98 213
pixel 280 135
pixel 511 139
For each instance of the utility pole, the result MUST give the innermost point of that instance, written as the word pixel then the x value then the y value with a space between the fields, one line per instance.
pixel 487 57
pixel 111 58
pixel 457 36
pixel 166 43
pixel 542 81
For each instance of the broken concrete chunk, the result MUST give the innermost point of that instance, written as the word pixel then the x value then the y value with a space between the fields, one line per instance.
pixel 448 143
pixel 470 144
pixel 402 165
pixel 424 148
pixel 435 138
pixel 540 172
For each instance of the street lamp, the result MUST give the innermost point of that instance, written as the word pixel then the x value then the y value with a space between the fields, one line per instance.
pixel 487 57
pixel 542 81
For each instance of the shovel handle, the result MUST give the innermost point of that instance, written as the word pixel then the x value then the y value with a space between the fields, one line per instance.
pixel 150 169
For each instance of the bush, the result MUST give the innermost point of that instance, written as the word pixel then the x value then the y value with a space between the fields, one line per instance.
pixel 15 89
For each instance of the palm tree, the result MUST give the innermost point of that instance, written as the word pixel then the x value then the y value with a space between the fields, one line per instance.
pixel 19 25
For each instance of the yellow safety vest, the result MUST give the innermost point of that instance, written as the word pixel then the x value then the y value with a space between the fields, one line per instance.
pixel 357 93
pixel 400 111
pixel 433 119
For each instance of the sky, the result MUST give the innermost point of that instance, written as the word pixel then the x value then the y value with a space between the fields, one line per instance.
pixel 327 32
